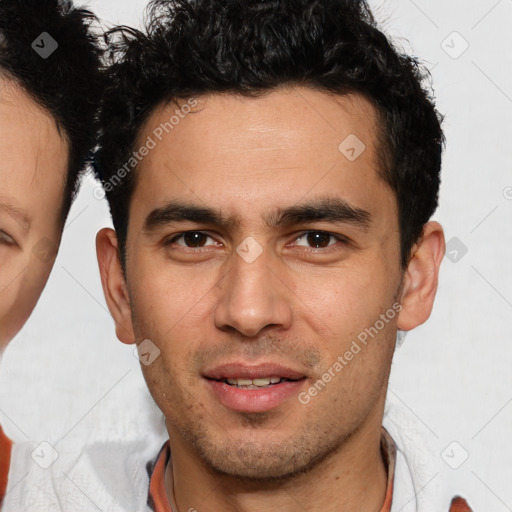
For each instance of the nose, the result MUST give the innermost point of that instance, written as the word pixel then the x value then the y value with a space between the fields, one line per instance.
pixel 253 296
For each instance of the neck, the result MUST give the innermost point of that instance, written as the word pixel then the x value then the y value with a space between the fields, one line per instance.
pixel 352 478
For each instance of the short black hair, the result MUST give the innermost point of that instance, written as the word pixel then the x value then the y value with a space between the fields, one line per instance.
pixel 249 47
pixel 68 83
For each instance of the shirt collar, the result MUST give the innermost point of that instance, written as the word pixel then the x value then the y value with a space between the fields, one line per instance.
pixel 5 459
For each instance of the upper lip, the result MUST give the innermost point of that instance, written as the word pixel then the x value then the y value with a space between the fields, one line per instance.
pixel 247 371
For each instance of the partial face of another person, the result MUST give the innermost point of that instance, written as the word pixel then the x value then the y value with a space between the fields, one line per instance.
pixel 258 252
pixel 32 177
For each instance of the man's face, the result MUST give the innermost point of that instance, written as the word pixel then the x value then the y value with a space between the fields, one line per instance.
pixel 305 259
pixel 32 175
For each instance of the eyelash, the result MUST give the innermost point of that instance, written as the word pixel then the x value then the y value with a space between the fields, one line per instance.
pixel 339 238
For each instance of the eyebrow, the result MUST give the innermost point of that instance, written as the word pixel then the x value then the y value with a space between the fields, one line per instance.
pixel 325 209
pixel 18 214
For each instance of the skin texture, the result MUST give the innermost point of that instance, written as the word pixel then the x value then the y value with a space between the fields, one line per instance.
pixel 297 304
pixel 32 176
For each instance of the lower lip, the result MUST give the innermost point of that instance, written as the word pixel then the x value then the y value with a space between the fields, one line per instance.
pixel 254 400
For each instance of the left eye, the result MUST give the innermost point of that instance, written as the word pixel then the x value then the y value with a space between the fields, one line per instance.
pixel 318 239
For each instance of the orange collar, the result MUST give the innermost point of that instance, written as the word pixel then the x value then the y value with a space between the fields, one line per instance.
pixel 5 462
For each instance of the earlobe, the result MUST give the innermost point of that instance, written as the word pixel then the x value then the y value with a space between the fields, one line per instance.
pixel 114 285
pixel 421 277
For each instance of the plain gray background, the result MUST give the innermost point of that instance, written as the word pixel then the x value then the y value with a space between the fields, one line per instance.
pixel 66 373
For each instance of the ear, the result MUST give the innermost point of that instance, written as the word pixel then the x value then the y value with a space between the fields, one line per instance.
pixel 114 285
pixel 421 277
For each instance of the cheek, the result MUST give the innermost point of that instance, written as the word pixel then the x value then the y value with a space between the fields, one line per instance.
pixel 12 316
pixel 344 300
pixel 169 378
pixel 166 299
pixel 173 310
pixel 18 299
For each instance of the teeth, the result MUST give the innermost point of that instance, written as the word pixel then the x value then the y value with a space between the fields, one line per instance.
pixel 261 382
pixel 254 383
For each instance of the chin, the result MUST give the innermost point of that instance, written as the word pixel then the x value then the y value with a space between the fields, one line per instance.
pixel 263 462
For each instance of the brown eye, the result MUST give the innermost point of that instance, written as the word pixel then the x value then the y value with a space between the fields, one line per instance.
pixel 194 239
pixel 190 239
pixel 318 239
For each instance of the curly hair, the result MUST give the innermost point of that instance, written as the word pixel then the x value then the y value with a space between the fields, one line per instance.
pixel 68 84
pixel 249 47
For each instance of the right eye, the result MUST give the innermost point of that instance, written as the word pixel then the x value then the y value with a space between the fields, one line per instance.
pixel 6 239
pixel 190 239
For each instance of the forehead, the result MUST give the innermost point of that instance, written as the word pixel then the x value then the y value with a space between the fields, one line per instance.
pixel 26 119
pixel 233 150
pixel 34 159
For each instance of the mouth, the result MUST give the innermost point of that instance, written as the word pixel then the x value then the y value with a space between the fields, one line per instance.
pixel 252 389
